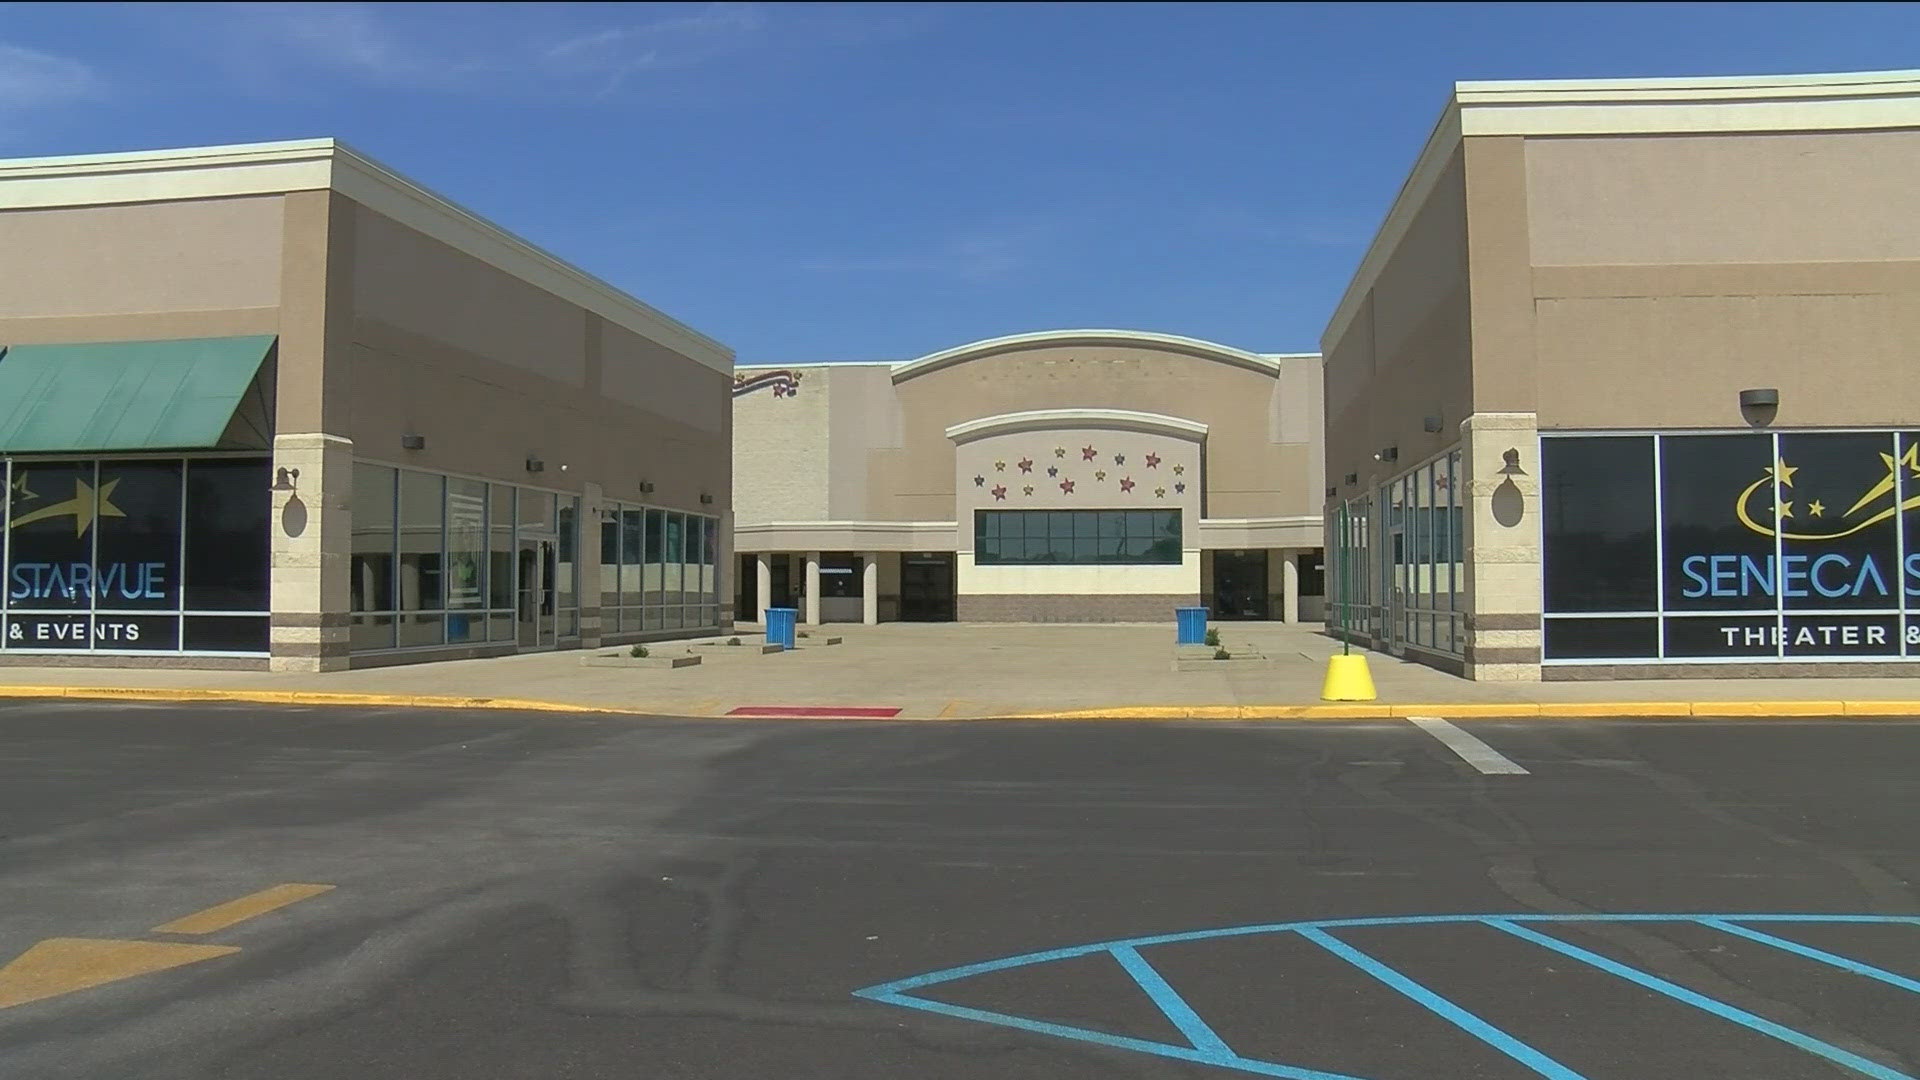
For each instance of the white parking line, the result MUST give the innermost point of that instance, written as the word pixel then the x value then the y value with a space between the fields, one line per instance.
pixel 1471 750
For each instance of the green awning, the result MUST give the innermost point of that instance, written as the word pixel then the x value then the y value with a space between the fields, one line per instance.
pixel 125 395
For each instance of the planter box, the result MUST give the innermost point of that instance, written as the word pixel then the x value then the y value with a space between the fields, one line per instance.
pixel 745 648
pixel 621 659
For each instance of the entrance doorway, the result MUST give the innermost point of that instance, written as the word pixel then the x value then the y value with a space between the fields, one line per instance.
pixel 1240 585
pixel 926 586
pixel 538 568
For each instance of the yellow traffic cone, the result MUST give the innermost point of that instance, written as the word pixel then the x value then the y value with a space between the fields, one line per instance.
pixel 1347 679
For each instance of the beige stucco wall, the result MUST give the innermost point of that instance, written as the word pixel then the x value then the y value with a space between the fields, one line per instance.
pixel 781 450
pixel 1407 353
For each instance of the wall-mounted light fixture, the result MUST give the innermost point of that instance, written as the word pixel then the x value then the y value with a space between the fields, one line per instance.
pixel 413 442
pixel 1764 397
pixel 284 478
pixel 534 464
pixel 1512 466
pixel 1387 454
pixel 1353 478
pixel 706 499
pixel 646 487
pixel 1430 424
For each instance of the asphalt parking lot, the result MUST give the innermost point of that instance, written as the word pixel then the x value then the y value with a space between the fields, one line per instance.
pixel 232 891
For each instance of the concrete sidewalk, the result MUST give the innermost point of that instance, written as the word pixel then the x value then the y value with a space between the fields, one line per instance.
pixel 957 671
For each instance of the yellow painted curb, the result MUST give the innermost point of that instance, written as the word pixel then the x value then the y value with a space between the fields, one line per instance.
pixel 1768 708
pixel 1882 708
pixel 1646 709
pixel 1470 710
pixel 185 695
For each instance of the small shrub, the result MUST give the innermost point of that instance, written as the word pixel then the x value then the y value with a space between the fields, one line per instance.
pixel 1213 636
pixel 638 652
pixel 1222 654
pixel 803 633
pixel 733 641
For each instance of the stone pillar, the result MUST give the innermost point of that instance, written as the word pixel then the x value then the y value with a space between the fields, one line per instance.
pixel 870 588
pixel 586 564
pixel 762 586
pixel 1502 527
pixel 1290 586
pixel 813 588
pixel 312 538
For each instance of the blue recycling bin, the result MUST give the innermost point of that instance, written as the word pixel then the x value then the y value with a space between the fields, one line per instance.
pixel 780 622
pixel 1190 626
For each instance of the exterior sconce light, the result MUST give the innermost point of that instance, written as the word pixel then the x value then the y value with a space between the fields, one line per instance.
pixel 646 487
pixel 284 478
pixel 413 442
pixel 1387 454
pixel 534 464
pixel 1353 478
pixel 706 499
pixel 1430 425
pixel 1765 397
pixel 1512 466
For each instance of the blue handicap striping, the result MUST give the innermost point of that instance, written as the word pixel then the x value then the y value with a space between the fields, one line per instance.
pixel 1207 1048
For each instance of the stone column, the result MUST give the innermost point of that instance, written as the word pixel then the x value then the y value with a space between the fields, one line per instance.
pixel 870 588
pixel 1290 586
pixel 813 588
pixel 762 586
pixel 586 564
pixel 312 539
pixel 1502 527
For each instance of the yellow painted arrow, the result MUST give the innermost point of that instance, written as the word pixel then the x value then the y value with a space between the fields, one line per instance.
pixel 62 965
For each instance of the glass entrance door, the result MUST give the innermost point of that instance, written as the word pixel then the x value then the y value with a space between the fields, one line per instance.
pixel 1240 585
pixel 926 587
pixel 1397 586
pixel 534 601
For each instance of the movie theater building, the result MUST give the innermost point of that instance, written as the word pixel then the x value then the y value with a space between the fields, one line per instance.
pixel 1069 476
pixel 276 406
pixel 1626 385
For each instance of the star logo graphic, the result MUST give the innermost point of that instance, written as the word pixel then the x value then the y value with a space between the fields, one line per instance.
pixel 1767 496
pixel 1027 490
pixel 1180 488
pixel 19 489
pixel 1178 469
pixel 1815 508
pixel 1066 487
pixel 1159 493
pixel 1100 474
pixel 83 506
pixel 1126 484
pixel 1053 470
pixel 1059 451
pixel 999 466
pixel 1153 461
pixel 1119 459
pixel 1087 452
pixel 1026 465
pixel 979 481
pixel 999 493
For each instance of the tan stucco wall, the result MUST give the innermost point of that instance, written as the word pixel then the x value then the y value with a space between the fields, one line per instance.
pixel 1407 355
pixel 781 449
pixel 1248 474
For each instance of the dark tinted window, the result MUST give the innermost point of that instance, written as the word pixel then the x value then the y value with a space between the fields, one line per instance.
pixel 1597 506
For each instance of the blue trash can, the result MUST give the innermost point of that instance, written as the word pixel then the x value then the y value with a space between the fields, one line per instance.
pixel 780 621
pixel 1190 626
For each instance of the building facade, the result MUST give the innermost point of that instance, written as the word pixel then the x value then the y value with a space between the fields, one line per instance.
pixel 1071 476
pixel 1625 386
pixel 275 405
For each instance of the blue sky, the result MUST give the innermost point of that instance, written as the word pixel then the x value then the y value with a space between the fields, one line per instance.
pixel 860 182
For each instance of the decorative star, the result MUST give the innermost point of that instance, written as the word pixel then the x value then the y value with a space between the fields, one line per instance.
pixel 979 481
pixel 1178 469
pixel 1053 470
pixel 1066 486
pixel 1786 509
pixel 84 507
pixel 20 491
pixel 1126 484
pixel 1086 453
pixel 1100 474
pixel 1153 461
pixel 999 466
pixel 1027 489
pixel 1059 451
pixel 999 493
pixel 1784 471
pixel 1159 493
pixel 1026 465
pixel 1815 508
pixel 1180 488
pixel 1119 459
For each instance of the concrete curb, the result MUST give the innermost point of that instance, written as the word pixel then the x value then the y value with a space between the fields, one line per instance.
pixel 1669 710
